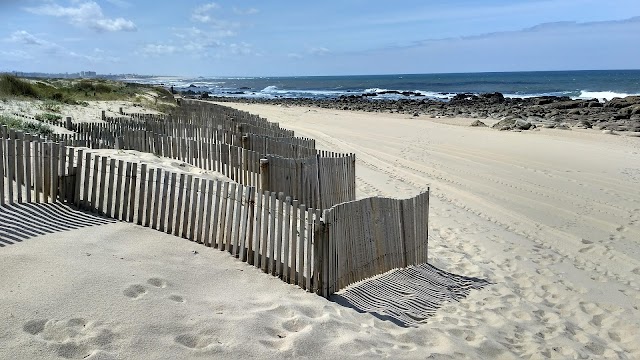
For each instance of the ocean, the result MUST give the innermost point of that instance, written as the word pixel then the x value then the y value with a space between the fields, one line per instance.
pixel 600 84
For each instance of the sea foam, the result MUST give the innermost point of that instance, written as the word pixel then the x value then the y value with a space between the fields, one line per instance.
pixel 584 94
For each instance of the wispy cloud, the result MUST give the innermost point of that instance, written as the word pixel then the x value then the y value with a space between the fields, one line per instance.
pixel 120 3
pixel 547 46
pixel 16 55
pixel 249 11
pixel 85 14
pixel 561 29
pixel 203 13
pixel 158 49
pixel 318 51
pixel 25 38
pixel 242 49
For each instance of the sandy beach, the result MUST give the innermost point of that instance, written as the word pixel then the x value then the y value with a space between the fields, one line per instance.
pixel 550 218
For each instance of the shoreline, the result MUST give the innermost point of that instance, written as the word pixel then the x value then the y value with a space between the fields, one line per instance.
pixel 618 114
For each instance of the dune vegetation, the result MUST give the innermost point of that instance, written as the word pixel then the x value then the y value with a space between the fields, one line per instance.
pixel 78 91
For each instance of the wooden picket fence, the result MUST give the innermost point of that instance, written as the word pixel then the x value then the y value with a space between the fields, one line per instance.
pixel 320 181
pixel 271 217
pixel 264 229
pixel 317 178
pixel 368 237
pixel 34 170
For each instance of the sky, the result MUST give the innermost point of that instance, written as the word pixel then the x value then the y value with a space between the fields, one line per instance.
pixel 294 38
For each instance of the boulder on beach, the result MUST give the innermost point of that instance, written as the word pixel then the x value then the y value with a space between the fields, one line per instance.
pixel 583 124
pixel 512 124
pixel 478 123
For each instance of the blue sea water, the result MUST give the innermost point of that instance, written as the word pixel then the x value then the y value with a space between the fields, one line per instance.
pixel 600 84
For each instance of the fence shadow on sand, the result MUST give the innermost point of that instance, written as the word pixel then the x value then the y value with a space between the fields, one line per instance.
pixel 407 297
pixel 19 222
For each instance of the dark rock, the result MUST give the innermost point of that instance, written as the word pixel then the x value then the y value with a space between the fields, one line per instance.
pixel 620 103
pixel 478 123
pixel 493 98
pixel 512 124
pixel 619 114
pixel 569 104
pixel 583 124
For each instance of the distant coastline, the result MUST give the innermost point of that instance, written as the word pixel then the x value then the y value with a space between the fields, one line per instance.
pixel 599 84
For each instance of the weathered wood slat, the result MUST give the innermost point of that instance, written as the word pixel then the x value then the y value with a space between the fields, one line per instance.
pixel 237 219
pixel 223 216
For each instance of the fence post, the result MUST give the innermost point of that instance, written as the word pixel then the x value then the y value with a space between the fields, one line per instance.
pixel 2 141
pixel 264 175
pixel 68 124
pixel 316 270
pixel 403 232
pixel 76 190
pixel 319 198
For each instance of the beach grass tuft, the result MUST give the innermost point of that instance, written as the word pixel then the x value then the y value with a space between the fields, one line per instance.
pixel 13 86
pixel 29 127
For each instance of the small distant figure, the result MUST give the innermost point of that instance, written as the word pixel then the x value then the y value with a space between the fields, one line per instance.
pixel 172 91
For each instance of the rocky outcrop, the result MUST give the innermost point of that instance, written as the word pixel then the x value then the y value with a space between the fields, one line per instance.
pixel 620 114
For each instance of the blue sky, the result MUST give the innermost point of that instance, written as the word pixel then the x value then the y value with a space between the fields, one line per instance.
pixel 286 37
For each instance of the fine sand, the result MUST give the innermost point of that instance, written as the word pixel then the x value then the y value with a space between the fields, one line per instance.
pixel 551 219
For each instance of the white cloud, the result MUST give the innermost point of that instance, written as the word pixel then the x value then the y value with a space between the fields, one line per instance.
pixel 158 49
pixel 13 55
pixel 241 49
pixel 249 11
pixel 120 3
pixel 86 14
pixel 37 44
pixel 318 51
pixel 26 38
pixel 201 13
pixel 197 34
pixel 294 56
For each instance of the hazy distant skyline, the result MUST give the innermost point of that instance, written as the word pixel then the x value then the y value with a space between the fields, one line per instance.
pixel 256 38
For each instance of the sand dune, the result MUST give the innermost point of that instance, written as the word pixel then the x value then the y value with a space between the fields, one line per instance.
pixel 549 219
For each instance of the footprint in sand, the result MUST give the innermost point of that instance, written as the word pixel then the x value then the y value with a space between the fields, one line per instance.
pixel 193 341
pixel 158 282
pixel 76 338
pixel 134 291
pixel 35 327
pixel 176 298
pixel 295 325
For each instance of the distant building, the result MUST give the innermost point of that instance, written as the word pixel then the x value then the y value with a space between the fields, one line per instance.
pixel 88 74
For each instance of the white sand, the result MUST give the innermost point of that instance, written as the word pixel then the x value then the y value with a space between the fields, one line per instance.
pixel 552 218
pixel 159 162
